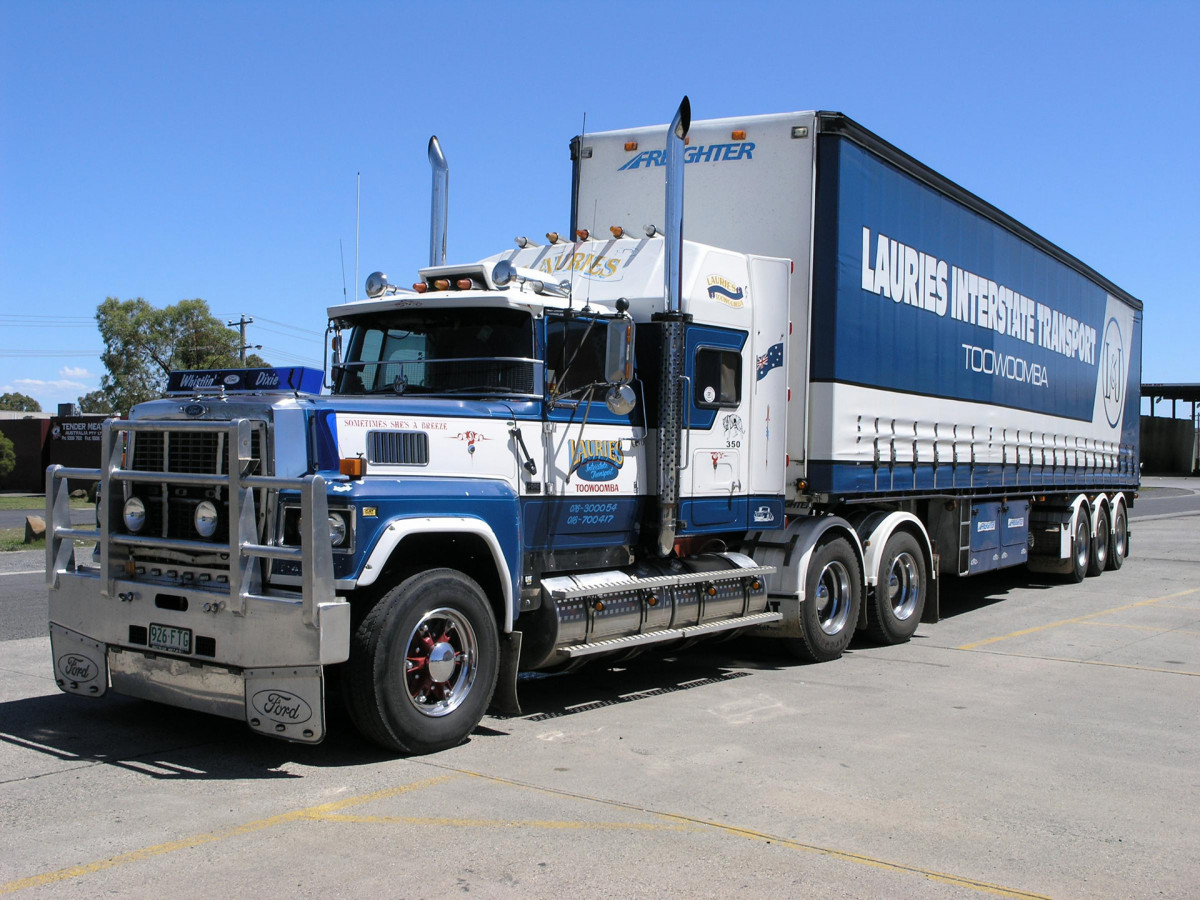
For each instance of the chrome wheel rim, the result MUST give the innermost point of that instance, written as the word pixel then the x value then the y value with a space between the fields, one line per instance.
pixel 1101 550
pixel 441 662
pixel 1082 539
pixel 1119 535
pixel 833 597
pixel 904 585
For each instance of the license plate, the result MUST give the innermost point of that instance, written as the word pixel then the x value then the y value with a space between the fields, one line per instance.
pixel 171 639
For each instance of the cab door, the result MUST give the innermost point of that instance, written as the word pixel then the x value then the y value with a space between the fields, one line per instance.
pixel 715 450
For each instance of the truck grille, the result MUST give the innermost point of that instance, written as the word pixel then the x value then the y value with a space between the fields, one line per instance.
pixel 170 508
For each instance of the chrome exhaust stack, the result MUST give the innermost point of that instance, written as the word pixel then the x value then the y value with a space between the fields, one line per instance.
pixel 673 319
pixel 440 206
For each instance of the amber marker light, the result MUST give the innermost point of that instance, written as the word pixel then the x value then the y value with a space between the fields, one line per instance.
pixel 441 284
pixel 630 146
pixel 738 135
pixel 420 287
pixel 463 284
pixel 617 231
pixel 353 467
pixel 583 234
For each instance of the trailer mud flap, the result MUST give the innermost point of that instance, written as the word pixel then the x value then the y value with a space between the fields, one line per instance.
pixel 287 703
pixel 80 666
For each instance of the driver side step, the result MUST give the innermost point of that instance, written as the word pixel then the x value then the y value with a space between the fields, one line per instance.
pixel 670 634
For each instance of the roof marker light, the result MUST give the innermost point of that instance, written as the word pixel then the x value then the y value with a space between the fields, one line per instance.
pixel 524 242
pixel 583 234
pixel 738 135
pixel 631 145
pixel 463 284
pixel 617 231
pixel 441 284
pixel 650 230
pixel 420 287
pixel 552 237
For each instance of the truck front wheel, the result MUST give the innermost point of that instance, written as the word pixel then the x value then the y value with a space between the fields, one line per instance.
pixel 900 594
pixel 832 594
pixel 423 663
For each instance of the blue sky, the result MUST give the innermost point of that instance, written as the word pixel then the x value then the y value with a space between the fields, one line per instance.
pixel 170 150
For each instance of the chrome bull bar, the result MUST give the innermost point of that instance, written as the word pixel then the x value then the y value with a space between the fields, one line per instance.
pixel 315 554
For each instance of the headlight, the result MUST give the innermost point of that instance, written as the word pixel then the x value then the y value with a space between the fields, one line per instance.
pixel 337 529
pixel 205 518
pixel 134 514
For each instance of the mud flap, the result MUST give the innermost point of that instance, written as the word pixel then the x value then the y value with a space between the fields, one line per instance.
pixel 80 664
pixel 287 703
pixel 504 698
pixel 933 594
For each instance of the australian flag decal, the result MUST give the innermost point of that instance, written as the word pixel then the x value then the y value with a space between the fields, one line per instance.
pixel 772 359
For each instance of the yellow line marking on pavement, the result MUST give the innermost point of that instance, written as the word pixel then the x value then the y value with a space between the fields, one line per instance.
pixel 198 840
pixel 556 825
pixel 1076 620
pixel 1095 662
pixel 1153 628
pixel 845 856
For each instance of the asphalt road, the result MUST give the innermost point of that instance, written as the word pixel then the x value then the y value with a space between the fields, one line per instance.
pixel 1042 739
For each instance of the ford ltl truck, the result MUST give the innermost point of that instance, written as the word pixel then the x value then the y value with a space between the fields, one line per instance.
pixel 778 377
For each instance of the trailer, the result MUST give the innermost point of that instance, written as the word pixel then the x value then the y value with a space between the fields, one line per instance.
pixel 779 378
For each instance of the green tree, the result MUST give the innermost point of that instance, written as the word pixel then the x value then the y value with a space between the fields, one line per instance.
pixel 143 344
pixel 8 455
pixel 19 403
pixel 93 402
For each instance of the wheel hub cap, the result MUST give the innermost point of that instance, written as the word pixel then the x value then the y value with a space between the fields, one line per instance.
pixel 441 661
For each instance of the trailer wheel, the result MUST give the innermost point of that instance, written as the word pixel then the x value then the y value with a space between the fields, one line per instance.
pixel 1099 558
pixel 1081 550
pixel 423 663
pixel 1119 544
pixel 899 599
pixel 829 614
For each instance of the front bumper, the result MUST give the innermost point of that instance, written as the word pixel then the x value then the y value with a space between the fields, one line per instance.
pixel 264 666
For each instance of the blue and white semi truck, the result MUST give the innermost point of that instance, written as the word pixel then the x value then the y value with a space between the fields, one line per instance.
pixel 836 379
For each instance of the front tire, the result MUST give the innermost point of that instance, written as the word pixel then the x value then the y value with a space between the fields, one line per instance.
pixel 899 600
pixel 832 595
pixel 423 663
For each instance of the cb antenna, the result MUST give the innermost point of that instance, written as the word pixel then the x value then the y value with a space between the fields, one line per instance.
pixel 342 254
pixel 357 219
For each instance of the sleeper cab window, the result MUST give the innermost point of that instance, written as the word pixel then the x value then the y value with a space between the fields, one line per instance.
pixel 718 378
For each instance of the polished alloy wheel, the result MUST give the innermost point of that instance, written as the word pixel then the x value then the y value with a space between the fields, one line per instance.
pixel 833 597
pixel 441 662
pixel 904 585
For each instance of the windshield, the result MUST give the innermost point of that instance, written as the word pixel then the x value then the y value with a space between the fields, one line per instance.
pixel 442 351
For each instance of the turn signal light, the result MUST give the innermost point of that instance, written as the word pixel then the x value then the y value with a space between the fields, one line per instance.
pixel 353 467
pixel 420 287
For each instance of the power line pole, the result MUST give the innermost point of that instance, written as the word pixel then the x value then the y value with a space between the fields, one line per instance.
pixel 242 323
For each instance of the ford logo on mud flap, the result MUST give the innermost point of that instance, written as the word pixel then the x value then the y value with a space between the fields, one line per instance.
pixel 281 706
pixel 77 667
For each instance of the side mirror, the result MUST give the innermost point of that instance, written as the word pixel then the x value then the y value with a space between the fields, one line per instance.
pixel 618 352
pixel 620 400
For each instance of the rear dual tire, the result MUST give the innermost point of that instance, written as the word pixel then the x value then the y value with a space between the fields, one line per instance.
pixel 832 596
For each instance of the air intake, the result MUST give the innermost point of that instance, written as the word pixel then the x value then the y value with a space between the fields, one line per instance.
pixel 398 448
